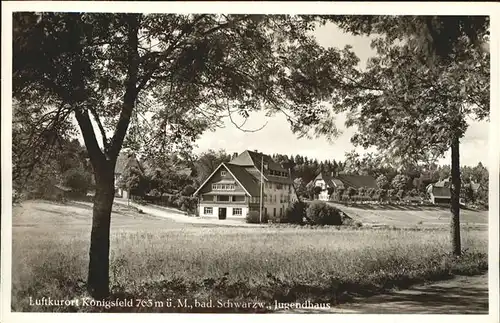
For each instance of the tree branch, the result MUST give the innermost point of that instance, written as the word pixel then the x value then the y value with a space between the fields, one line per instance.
pixel 239 127
pixel 101 128
pixel 95 153
pixel 175 44
pixel 131 91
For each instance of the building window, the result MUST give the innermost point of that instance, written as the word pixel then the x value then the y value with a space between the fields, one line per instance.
pixel 223 187
pixel 223 173
pixel 237 211
pixel 223 198
pixel 238 198
pixel 208 210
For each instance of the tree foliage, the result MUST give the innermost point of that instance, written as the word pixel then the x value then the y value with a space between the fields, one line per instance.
pixel 78 179
pixel 382 181
pixel 207 162
pixel 400 182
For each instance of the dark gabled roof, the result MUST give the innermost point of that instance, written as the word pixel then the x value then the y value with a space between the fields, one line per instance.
pixel 126 160
pixel 245 168
pixel 357 181
pixel 338 183
pixel 249 183
pixel 441 191
pixel 253 158
pixel 247 180
pixel 326 178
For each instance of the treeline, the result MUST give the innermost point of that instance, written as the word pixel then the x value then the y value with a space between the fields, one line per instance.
pixel 66 165
pixel 179 177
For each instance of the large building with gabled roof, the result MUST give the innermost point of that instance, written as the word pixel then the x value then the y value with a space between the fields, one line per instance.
pixel 234 188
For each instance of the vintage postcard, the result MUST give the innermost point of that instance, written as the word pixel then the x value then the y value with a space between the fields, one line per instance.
pixel 250 158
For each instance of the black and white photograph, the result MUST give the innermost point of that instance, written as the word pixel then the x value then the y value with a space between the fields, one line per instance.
pixel 242 161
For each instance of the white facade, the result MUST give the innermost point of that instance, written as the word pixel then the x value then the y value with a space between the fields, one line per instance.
pixel 323 196
pixel 277 197
pixel 232 211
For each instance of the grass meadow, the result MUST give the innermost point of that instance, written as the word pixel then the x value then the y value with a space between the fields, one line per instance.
pixel 159 259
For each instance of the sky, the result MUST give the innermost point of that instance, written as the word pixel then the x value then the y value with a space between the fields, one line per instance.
pixel 277 137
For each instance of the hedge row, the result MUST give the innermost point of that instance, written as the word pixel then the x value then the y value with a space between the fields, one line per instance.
pixel 315 213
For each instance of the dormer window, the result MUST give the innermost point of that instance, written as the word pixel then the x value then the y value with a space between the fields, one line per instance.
pixel 223 173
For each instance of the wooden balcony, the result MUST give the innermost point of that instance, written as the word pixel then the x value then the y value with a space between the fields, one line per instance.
pixel 211 202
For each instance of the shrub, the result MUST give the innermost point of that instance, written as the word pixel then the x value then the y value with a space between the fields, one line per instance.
pixel 317 190
pixel 339 193
pixel 187 204
pixel 254 217
pixel 382 182
pixel 154 192
pixel 351 191
pixel 295 213
pixel 17 197
pixel 188 190
pixel 413 193
pixel 321 213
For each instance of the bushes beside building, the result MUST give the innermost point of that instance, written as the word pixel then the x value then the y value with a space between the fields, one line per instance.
pixel 320 213
pixel 295 213
pixel 314 213
pixel 254 217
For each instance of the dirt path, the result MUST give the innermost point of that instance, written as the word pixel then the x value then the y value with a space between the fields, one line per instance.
pixel 460 295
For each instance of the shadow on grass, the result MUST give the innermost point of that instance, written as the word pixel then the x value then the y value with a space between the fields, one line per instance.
pixel 401 207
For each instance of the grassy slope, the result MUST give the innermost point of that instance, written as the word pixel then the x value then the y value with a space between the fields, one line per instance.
pixel 410 216
pixel 159 259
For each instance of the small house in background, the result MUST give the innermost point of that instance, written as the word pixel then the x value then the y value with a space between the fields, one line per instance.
pixel 237 187
pixel 439 192
pixel 125 161
pixel 331 182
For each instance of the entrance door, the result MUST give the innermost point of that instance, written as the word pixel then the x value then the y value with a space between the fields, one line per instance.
pixel 222 213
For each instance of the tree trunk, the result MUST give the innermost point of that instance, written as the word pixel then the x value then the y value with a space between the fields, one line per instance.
pixel 98 275
pixel 455 196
